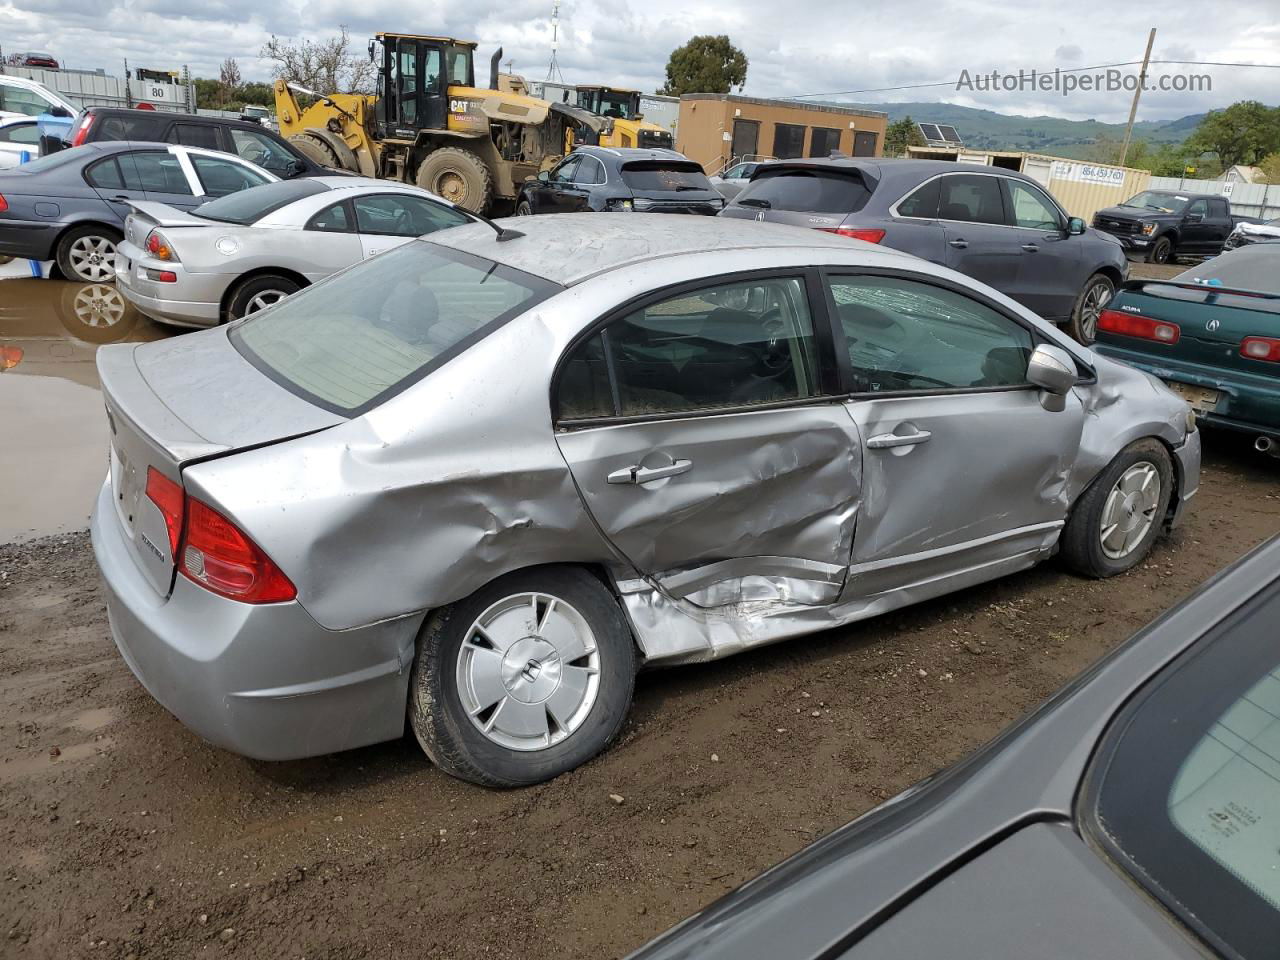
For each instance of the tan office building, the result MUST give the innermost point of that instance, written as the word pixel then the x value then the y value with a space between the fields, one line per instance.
pixel 716 128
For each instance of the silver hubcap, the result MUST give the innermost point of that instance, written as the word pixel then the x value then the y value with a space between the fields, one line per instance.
pixel 98 305
pixel 263 300
pixel 1130 510
pixel 93 259
pixel 1094 300
pixel 528 671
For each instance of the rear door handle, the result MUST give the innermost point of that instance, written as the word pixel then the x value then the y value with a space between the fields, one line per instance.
pixel 1030 248
pixel 120 198
pixel 958 244
pixel 898 440
pixel 638 474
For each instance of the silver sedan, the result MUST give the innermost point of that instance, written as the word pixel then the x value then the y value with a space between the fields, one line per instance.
pixel 482 478
pixel 233 256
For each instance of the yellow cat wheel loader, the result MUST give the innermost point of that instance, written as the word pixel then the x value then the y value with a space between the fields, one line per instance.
pixel 431 125
pixel 629 128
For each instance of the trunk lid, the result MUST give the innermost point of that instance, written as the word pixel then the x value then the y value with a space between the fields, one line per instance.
pixel 175 402
pixel 146 215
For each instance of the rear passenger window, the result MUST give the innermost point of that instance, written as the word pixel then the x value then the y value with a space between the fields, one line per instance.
pixel 194 135
pixel 922 203
pixel 105 175
pixel 906 335
pixel 129 128
pixel 332 219
pixel 724 346
pixel 154 171
pixel 973 199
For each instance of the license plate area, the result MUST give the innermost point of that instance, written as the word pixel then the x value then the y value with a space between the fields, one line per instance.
pixel 1202 399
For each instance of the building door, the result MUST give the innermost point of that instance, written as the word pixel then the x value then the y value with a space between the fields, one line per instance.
pixel 864 143
pixel 746 138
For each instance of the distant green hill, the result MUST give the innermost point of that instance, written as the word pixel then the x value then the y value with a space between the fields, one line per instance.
pixel 988 130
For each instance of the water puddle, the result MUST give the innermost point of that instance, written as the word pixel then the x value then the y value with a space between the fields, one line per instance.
pixel 53 449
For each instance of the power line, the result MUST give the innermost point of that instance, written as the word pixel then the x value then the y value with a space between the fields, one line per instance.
pixel 1100 66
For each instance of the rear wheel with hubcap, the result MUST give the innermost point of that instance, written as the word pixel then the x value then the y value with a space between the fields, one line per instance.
pixel 88 253
pixel 1097 291
pixel 258 294
pixel 524 680
pixel 1117 519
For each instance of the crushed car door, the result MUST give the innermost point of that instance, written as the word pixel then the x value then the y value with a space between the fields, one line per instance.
pixel 695 429
pixel 963 468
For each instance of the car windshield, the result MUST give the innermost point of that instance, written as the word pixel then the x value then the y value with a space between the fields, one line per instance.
pixel 1161 202
pixel 1189 795
pixel 357 339
pixel 806 191
pixel 249 206
pixel 659 175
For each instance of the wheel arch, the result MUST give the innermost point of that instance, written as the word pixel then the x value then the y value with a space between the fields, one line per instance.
pixel 86 221
pixel 232 288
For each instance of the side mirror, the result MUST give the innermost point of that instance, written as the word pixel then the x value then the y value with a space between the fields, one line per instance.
pixel 1075 226
pixel 1054 371
pixel 544 175
pixel 296 168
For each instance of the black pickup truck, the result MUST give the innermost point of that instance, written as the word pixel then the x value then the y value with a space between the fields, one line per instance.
pixel 1163 224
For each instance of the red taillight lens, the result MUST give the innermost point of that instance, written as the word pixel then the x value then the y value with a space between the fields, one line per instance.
pixel 10 357
pixel 216 555
pixel 82 132
pixel 162 276
pixel 4 204
pixel 1135 325
pixel 869 234
pixel 168 496
pixel 158 246
pixel 1261 348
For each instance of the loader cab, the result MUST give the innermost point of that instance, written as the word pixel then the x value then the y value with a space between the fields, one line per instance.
pixel 414 79
pixel 610 102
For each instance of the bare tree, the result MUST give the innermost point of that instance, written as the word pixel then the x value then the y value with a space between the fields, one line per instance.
pixel 228 81
pixel 326 66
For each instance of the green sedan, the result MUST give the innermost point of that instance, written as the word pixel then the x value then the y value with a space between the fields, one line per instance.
pixel 1212 334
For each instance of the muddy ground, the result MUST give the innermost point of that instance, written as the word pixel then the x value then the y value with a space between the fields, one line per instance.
pixel 123 835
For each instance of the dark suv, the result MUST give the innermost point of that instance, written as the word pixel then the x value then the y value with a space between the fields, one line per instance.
pixel 622 179
pixel 249 141
pixel 994 225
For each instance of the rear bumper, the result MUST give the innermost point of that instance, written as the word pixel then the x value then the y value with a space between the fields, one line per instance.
pixel 193 300
pixel 263 681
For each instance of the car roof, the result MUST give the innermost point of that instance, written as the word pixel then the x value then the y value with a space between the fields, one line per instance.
pixel 624 154
pixel 170 115
pixel 570 249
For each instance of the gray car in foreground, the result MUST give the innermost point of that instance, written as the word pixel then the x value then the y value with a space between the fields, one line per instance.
pixel 1136 814
pixel 232 257
pixel 997 226
pixel 484 476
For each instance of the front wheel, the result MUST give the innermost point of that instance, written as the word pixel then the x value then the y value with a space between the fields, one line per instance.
pixel 1161 251
pixel 1083 325
pixel 258 294
pixel 1117 519
pixel 524 680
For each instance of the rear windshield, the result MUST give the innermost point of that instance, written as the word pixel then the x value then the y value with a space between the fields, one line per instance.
pixel 353 341
pixel 1255 267
pixel 806 191
pixel 51 161
pixel 658 175
pixel 250 206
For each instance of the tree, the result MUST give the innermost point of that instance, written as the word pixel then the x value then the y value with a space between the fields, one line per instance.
pixel 228 81
pixel 1270 167
pixel 705 64
pixel 325 66
pixel 1244 132
pixel 900 135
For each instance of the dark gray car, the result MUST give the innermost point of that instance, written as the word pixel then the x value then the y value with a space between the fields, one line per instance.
pixel 994 225
pixel 1136 814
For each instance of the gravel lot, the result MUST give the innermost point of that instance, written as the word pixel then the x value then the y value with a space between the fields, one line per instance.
pixel 126 836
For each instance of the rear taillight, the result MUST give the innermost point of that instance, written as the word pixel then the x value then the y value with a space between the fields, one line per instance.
pixel 211 551
pixel 4 204
pixel 1136 325
pixel 869 234
pixel 216 555
pixel 1261 348
pixel 168 496
pixel 157 244
pixel 82 131
pixel 10 357
pixel 162 276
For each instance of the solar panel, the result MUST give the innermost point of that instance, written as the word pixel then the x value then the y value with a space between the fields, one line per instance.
pixel 949 133
pixel 930 131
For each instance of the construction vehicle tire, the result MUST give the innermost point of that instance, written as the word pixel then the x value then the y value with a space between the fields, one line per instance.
pixel 317 150
pixel 458 176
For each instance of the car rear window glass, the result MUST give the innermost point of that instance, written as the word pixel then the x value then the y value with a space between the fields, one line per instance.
pixel 971 199
pixel 806 191
pixel 50 162
pixel 1255 267
pixel 1186 794
pixel 250 206
pixel 194 135
pixel 364 335
pixel 659 175
pixel 104 175
pixel 141 127
pixel 923 202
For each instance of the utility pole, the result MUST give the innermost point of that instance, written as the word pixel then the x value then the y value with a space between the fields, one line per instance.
pixel 1133 110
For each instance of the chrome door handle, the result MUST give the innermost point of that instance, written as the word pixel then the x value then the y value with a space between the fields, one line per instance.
pixel 638 474
pixel 958 244
pixel 1030 247
pixel 896 440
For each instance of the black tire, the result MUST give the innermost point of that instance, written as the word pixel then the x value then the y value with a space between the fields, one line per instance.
pixel 1161 251
pixel 97 267
pixel 524 209
pixel 1082 547
pixel 317 151
pixel 446 730
pixel 1083 323
pixel 458 176
pixel 263 289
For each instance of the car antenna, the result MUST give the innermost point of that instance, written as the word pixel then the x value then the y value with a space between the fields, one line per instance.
pixel 504 233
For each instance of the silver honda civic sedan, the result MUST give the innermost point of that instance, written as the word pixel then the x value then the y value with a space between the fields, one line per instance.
pixel 479 480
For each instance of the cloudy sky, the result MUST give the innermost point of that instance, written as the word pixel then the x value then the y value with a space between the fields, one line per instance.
pixel 794 48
